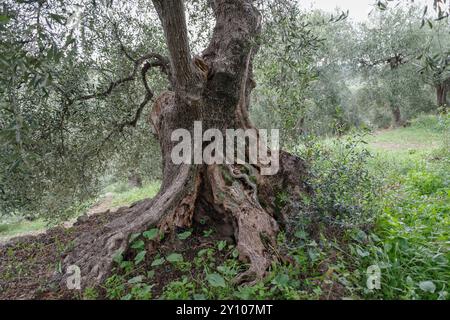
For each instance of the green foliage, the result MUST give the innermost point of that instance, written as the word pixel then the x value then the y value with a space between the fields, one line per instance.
pixel 60 147
pixel 90 294
pixel 184 235
pixel 408 242
pixel 14 227
pixel 216 280
pixel 139 291
pixel 344 190
pixel 440 123
pixel 425 183
pixel 151 234
pixel 115 288
pixel 406 238
pixel 182 289
pixel 55 146
pixel 349 75
pixel 284 70
pixel 410 245
pixel 174 257
pixel 139 257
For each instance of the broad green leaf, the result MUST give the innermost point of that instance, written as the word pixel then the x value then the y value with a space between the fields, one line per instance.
pixel 127 297
pixel 227 271
pixel 139 257
pixel 216 280
pixel 362 253
pixel 158 262
pixel 136 279
pixel 221 245
pixel 174 257
pixel 138 244
pixel 184 235
pixel 118 257
pixel 301 234
pixel 281 280
pixel 126 264
pixel 151 234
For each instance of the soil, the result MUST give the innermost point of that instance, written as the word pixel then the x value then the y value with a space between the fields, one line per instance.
pixel 29 264
pixel 103 205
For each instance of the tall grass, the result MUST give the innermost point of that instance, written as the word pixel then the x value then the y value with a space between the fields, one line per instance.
pixel 410 241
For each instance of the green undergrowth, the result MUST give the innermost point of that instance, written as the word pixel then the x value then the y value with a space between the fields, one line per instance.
pixel 377 227
pixel 124 196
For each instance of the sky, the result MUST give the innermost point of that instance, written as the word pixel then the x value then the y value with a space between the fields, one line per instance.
pixel 359 9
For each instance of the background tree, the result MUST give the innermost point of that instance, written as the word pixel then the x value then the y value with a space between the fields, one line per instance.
pixel 73 97
pixel 391 42
pixel 435 68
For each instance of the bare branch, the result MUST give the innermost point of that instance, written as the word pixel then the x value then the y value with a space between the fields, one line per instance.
pixel 394 61
pixel 161 61
pixel 131 122
pixel 119 39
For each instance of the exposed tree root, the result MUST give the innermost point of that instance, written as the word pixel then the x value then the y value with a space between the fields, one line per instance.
pixel 237 195
pixel 252 224
pixel 226 192
pixel 94 253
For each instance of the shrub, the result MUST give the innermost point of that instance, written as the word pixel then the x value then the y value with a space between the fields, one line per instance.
pixel 439 123
pixel 345 192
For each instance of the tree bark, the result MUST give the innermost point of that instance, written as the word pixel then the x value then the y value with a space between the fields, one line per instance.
pixel 213 88
pixel 134 180
pixel 441 93
pixel 397 116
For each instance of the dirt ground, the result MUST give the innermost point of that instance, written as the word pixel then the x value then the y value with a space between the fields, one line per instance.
pixel 28 264
pixel 103 205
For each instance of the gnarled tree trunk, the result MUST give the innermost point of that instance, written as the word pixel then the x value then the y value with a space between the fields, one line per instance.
pixel 213 88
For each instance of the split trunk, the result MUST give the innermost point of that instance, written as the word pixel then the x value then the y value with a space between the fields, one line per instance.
pixel 238 200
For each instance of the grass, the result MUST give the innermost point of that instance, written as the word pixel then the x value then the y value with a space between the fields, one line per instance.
pixel 122 196
pixel 402 138
pixel 424 134
pixel 410 239
pixel 128 197
pixel 21 227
